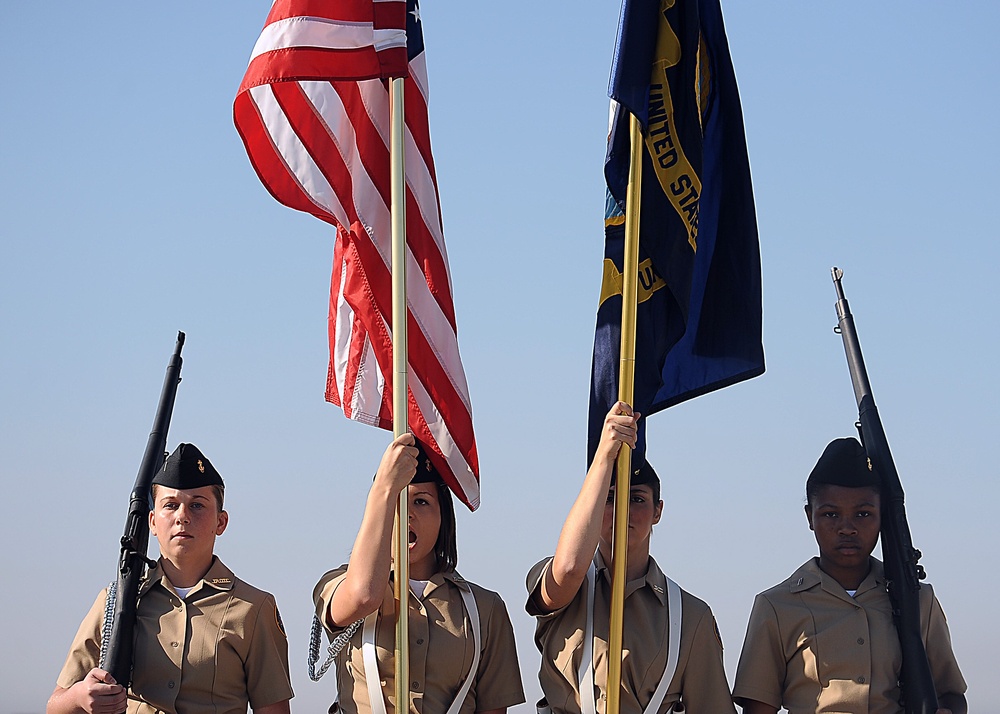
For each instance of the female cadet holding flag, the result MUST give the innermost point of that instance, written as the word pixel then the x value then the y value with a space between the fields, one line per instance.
pixel 675 654
pixel 462 655
pixel 824 640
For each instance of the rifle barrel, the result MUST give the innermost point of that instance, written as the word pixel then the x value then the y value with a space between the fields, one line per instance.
pixel 135 541
pixel 901 568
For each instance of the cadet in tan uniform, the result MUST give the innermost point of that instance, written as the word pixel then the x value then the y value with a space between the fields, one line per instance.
pixel 558 596
pixel 824 639
pixel 454 665
pixel 205 640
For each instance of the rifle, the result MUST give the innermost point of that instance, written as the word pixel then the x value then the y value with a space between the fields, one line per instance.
pixel 123 595
pixel 903 572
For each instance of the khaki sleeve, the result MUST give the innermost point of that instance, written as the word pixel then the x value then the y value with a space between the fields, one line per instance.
pixel 323 595
pixel 498 681
pixel 705 689
pixel 85 652
pixel 268 681
pixel 760 675
pixel 534 584
pixel 947 676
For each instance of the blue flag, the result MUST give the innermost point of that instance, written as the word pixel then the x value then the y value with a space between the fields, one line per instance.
pixel 699 312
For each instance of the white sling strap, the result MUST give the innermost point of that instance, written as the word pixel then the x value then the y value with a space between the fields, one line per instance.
pixel 370 660
pixel 673 647
pixel 370 663
pixel 586 673
pixel 470 607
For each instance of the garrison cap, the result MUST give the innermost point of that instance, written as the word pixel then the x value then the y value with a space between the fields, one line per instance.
pixel 843 463
pixel 426 473
pixel 641 475
pixel 187 468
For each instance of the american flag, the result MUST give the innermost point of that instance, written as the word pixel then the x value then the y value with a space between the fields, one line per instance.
pixel 313 112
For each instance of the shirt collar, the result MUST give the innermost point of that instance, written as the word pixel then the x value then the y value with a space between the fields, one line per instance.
pixel 452 576
pixel 218 577
pixel 654 578
pixel 811 575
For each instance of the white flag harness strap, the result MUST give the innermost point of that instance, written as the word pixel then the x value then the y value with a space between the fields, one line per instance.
pixel 370 660
pixel 585 676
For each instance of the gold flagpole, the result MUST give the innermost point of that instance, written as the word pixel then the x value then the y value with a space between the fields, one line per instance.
pixel 626 383
pixel 401 556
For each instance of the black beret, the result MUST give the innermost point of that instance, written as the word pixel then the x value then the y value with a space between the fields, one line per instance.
pixel 843 463
pixel 187 468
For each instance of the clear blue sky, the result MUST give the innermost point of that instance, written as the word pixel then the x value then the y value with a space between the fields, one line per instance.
pixel 131 211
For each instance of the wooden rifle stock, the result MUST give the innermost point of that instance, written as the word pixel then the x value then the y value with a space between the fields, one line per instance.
pixel 132 561
pixel 902 570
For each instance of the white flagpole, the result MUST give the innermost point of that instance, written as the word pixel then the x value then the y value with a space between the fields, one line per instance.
pixel 399 388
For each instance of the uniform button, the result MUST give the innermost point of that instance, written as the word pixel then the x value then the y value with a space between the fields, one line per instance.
pixel 861 680
pixel 861 640
pixel 175 644
pixel 416 686
pixel 170 684
pixel 420 640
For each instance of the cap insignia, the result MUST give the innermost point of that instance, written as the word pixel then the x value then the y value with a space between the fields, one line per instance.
pixel 201 466
pixel 869 464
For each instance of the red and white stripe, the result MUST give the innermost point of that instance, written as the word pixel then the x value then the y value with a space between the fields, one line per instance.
pixel 320 145
pixel 319 39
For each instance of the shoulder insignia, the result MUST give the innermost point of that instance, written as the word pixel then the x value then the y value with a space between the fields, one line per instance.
pixel 277 619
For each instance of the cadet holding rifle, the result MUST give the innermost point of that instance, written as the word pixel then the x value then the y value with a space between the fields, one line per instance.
pixel 205 641
pixel 823 640
pixel 844 632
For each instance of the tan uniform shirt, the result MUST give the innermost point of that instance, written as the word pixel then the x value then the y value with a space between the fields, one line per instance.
pixel 441 650
pixel 216 651
pixel 811 647
pixel 700 679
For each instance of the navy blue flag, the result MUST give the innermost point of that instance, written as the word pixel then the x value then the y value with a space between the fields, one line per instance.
pixel 699 312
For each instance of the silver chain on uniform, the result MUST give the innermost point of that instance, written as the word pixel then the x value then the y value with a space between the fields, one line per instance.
pixel 109 616
pixel 315 637
pixel 339 643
